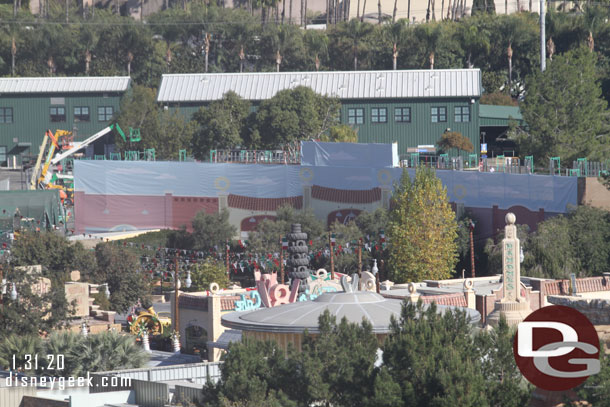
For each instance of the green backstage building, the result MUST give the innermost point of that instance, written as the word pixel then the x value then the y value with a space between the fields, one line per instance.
pixel 30 106
pixel 412 108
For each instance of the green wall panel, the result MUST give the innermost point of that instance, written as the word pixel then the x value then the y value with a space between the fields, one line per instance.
pixel 31 118
pixel 420 131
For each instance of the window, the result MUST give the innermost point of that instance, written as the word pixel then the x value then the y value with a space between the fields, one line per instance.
pixel 2 154
pixel 6 115
pixel 355 116
pixel 402 114
pixel 462 114
pixel 81 114
pixel 379 115
pixel 438 114
pixel 58 114
pixel 104 113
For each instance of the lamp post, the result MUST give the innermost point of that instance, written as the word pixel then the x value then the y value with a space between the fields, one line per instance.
pixel 471 227
pixel 188 283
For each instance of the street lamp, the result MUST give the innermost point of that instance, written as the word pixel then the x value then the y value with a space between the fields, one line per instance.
pixel 14 293
pixel 188 283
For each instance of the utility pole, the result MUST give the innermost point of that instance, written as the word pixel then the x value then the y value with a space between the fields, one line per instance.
pixel 281 260
pixel 472 248
pixel 542 37
pixel 332 260
pixel 360 256
pixel 176 295
pixel 227 254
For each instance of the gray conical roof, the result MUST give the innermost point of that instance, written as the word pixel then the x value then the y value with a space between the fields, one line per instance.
pixel 298 316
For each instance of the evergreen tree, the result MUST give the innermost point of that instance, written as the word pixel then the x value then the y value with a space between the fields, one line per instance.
pixel 433 358
pixel 422 230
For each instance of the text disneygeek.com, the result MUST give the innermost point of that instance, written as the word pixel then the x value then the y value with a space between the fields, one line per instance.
pixel 61 383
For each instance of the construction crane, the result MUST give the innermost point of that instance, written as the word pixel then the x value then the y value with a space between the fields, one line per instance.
pixel 47 179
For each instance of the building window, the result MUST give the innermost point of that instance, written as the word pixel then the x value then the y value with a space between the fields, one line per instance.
pixel 58 114
pixel 2 154
pixel 462 114
pixel 355 116
pixel 104 113
pixel 379 115
pixel 402 114
pixel 6 115
pixel 438 114
pixel 81 114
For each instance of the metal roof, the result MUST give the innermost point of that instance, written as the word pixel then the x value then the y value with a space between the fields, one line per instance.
pixel 344 85
pixel 78 84
pixel 301 315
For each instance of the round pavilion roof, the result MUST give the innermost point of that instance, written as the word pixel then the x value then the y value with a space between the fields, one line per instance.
pixel 298 316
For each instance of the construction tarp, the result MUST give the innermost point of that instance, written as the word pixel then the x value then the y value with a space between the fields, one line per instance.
pixel 375 155
pixel 38 209
pixel 157 178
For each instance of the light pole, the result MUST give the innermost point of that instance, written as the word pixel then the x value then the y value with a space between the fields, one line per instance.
pixel 188 283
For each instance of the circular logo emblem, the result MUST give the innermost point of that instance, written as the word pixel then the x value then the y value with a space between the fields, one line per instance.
pixel 556 348
pixel 222 183
pixel 384 176
pixel 306 174
pixel 459 191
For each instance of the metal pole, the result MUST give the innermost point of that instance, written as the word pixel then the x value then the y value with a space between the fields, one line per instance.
pixel 332 262
pixel 542 37
pixel 176 296
pixel 227 254
pixel 281 260
pixel 472 248
pixel 359 256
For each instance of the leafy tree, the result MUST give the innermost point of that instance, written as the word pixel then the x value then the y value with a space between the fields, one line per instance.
pixel 422 229
pixel 433 358
pixel 208 272
pixel 498 99
pixel 167 132
pixel 341 133
pixel 266 238
pixel 589 231
pixel 348 235
pixel 293 115
pixel 56 254
pixel 31 313
pixel 372 223
pixel 212 229
pixel 221 125
pixel 120 268
pixel 455 139
pixel 564 109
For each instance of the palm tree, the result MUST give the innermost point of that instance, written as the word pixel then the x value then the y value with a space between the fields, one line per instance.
pixel 317 43
pixel 207 50
pixel 474 41
pixel 356 31
pixel 18 345
pixel 509 54
pixel 550 48
pixel 13 54
pixel 129 60
pixel 397 34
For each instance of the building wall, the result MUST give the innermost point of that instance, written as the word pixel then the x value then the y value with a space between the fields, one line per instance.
pixel 421 130
pixel 31 118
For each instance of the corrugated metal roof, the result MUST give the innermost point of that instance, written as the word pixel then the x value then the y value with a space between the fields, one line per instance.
pixel 78 84
pixel 344 85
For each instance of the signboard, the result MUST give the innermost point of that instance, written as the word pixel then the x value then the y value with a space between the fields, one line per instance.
pixel 483 148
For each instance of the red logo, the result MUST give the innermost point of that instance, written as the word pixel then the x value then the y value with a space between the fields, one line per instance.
pixel 556 348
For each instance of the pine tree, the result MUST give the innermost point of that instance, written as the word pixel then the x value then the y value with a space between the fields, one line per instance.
pixel 422 230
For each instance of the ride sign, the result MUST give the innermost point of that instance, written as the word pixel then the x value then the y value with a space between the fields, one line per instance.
pixel 556 348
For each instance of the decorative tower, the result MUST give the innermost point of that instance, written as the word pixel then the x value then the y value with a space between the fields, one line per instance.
pixel 513 306
pixel 298 256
